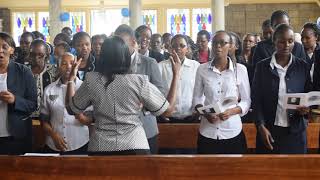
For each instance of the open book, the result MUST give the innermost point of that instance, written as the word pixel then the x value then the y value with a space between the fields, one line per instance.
pixel 292 101
pixel 218 107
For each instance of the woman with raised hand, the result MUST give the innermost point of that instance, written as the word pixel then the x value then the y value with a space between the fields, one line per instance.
pixel 118 98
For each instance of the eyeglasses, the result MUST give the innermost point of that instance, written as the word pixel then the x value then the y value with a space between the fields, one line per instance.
pixel 221 43
pixel 175 46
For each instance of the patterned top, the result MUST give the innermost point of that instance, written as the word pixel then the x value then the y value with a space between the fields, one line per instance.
pixel 116 110
pixel 46 77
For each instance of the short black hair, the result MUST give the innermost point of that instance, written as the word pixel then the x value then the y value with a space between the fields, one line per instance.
pixel 157 35
pixel 8 39
pixel 38 42
pixel 63 37
pixel 281 28
pixel 78 36
pixel 312 26
pixel 140 29
pixel 38 35
pixel 266 24
pixel 124 29
pixel 115 58
pixel 66 29
pixel 65 46
pixel 204 32
pixel 223 31
pixel 278 14
pixel 27 34
pixel 98 36
pixel 177 36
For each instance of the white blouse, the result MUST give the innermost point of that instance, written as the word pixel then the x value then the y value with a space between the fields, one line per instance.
pixel 213 86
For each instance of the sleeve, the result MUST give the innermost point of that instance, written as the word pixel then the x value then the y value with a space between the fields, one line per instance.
pixel 155 75
pixel 244 90
pixel 81 99
pixel 44 107
pixel 198 92
pixel 257 96
pixel 27 103
pixel 164 78
pixel 153 99
pixel 257 55
pixel 302 53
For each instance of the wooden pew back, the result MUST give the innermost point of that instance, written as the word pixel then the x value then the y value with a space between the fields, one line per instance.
pixel 162 167
pixel 185 135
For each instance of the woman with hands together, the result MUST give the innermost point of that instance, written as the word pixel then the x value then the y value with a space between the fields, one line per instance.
pixel 217 81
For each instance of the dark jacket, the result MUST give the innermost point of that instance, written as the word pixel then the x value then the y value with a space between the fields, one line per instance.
pixel 265 49
pixel 265 89
pixel 21 83
pixel 311 60
pixel 158 56
pixel 316 72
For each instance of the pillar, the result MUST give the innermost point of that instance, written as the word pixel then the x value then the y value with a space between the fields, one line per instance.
pixel 54 15
pixel 135 8
pixel 217 11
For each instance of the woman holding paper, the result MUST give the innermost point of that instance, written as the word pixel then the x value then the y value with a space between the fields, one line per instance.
pixel 218 81
pixel 280 130
pixel 18 99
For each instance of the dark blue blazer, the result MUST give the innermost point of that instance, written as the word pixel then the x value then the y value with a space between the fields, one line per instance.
pixel 316 72
pixel 265 49
pixel 21 83
pixel 265 89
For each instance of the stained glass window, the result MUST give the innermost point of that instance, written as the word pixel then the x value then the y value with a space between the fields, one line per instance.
pixel 178 21
pixel 201 20
pixel 149 18
pixel 23 21
pixel 43 24
pixel 106 21
pixel 77 21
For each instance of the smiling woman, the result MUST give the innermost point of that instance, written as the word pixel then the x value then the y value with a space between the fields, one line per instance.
pixel 18 99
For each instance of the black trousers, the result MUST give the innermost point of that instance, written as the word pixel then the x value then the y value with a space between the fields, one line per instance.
pixel 285 142
pixel 15 146
pixel 153 144
pixel 236 145
pixel 80 151
pixel 126 152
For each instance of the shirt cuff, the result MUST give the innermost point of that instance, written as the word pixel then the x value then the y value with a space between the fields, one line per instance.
pixel 162 109
pixel 244 108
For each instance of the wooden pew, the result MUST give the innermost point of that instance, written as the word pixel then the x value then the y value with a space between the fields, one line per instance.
pixel 185 135
pixel 162 167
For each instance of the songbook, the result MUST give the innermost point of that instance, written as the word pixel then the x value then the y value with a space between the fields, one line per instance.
pixel 218 107
pixel 292 101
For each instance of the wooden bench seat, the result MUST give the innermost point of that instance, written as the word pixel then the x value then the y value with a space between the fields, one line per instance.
pixel 162 167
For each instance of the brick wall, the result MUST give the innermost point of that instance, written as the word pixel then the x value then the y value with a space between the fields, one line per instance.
pixel 5 16
pixel 248 18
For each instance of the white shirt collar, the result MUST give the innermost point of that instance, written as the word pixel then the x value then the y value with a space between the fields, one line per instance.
pixel 133 55
pixel 187 62
pixel 212 67
pixel 273 62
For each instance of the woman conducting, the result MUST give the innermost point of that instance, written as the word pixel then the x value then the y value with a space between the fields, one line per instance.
pixel 117 98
